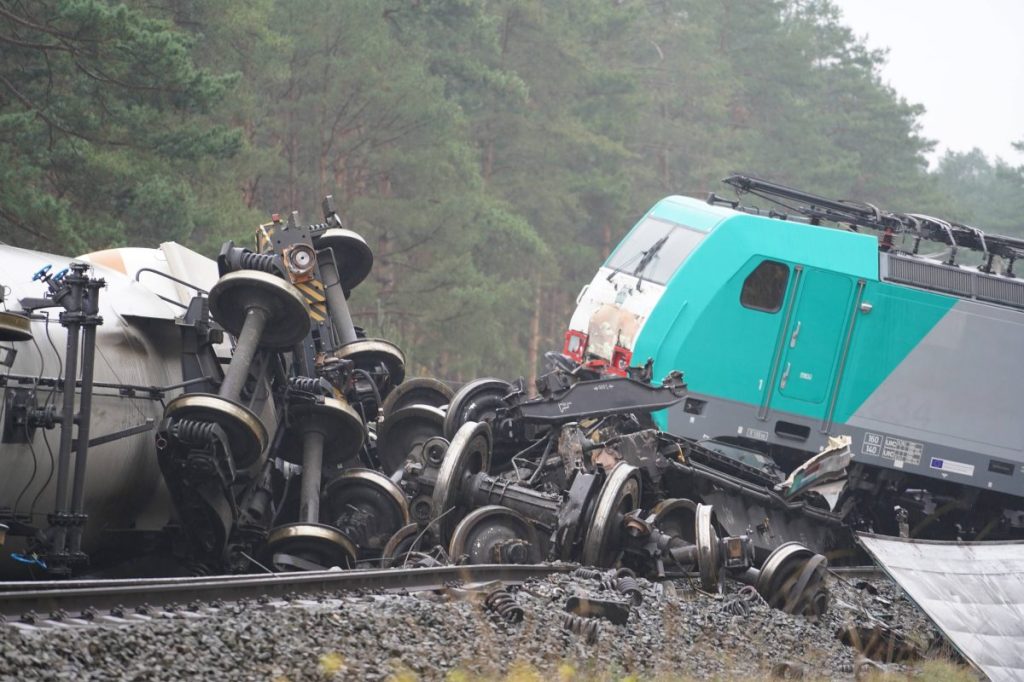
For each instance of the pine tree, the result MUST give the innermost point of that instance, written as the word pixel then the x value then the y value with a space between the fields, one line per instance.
pixel 103 116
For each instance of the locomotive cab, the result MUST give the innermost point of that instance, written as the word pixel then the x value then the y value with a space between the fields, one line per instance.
pixel 613 308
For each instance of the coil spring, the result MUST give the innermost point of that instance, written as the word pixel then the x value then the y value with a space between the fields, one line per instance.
pixel 313 385
pixel 505 605
pixel 608 583
pixel 257 261
pixel 736 605
pixel 193 431
pixel 750 593
pixel 629 587
pixel 588 628
pixel 588 573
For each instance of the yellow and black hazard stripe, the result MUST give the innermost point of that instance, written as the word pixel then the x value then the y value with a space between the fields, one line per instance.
pixel 313 291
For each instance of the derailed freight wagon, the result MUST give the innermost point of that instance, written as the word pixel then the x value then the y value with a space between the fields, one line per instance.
pixel 790 332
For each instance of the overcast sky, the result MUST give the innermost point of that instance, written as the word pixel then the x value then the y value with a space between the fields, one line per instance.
pixel 963 60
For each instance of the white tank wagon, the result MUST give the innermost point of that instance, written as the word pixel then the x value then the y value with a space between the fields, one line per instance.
pixel 137 357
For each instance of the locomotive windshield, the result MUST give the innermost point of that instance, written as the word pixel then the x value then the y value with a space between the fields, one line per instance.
pixel 654 250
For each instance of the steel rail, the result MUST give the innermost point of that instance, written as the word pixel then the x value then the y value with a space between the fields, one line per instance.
pixel 853 572
pixel 75 596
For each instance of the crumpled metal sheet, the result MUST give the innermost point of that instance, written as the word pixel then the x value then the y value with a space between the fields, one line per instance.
pixel 972 591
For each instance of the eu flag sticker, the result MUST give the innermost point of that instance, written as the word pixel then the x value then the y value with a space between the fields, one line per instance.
pixel 952 466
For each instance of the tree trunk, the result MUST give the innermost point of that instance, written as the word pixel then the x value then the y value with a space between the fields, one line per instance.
pixel 441 371
pixel 322 169
pixel 291 150
pixel 534 347
pixel 385 273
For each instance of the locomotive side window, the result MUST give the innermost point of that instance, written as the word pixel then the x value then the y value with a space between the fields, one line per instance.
pixel 765 287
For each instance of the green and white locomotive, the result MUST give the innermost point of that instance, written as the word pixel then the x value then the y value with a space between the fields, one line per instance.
pixel 790 331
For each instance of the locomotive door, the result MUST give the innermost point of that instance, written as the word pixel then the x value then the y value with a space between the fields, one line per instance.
pixel 815 336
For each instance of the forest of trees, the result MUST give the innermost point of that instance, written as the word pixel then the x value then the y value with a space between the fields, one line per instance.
pixel 491 151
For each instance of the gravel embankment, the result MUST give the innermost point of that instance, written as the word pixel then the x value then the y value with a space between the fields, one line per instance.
pixel 675 632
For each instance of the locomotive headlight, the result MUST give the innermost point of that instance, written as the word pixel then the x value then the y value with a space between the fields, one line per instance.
pixel 575 345
pixel 620 359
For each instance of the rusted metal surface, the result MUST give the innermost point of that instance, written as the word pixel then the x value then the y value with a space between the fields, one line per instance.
pixel 972 591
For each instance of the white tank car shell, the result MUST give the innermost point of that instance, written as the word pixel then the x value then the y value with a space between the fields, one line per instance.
pixel 137 344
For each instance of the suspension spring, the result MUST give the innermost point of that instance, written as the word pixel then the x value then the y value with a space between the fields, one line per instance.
pixel 588 573
pixel 264 262
pixel 750 593
pixel 309 385
pixel 505 606
pixel 736 605
pixel 193 431
pixel 588 628
pixel 628 586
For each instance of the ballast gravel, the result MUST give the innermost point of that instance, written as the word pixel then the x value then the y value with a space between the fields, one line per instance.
pixel 675 632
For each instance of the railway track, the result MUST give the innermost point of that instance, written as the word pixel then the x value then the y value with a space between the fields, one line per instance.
pixel 74 603
pixel 54 604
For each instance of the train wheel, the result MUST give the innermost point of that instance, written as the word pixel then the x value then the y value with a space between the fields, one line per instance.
pixel 418 391
pixel 619 495
pixel 403 430
pixel 308 547
pixel 469 453
pixel 477 401
pixel 495 535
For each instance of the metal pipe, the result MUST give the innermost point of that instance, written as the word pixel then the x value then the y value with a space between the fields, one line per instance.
pixel 312 462
pixel 337 306
pixel 245 352
pixel 73 325
pixel 684 554
pixel 536 506
pixel 92 319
